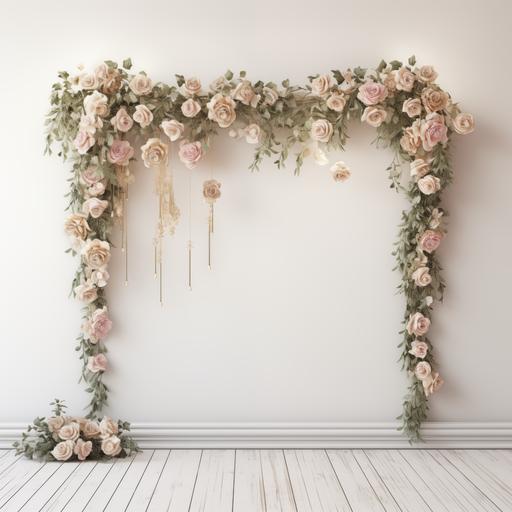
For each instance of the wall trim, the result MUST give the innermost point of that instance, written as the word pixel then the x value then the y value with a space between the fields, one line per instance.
pixel 304 435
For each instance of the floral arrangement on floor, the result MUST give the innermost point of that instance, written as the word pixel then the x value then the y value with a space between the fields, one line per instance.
pixel 60 437
pixel 101 117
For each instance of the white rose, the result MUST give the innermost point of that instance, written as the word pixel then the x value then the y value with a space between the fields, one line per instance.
pixel 221 109
pixel 173 129
pixel 421 276
pixel 321 85
pixel 69 432
pixel 141 85
pixel 63 451
pixel 429 184
pixel 143 115
pixel 89 123
pixel 111 446
pixel 374 116
pixel 88 81
pixel 122 120
pixel 100 277
pixel 321 130
pixel 86 292
pixel 191 108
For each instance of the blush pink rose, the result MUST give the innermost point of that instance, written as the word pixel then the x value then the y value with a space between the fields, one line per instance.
pixel 83 142
pixel 190 153
pixel 97 363
pixel 100 323
pixel 371 93
pixel 433 131
pixel 418 324
pixel 430 240
pixel 120 152
pixel 419 349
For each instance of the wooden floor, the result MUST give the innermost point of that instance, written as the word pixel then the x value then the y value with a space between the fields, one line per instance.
pixel 264 480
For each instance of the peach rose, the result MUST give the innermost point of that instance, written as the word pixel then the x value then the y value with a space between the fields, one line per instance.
pixel 111 446
pixel 464 123
pixel 86 292
pixel 120 152
pixel 419 349
pixel 432 384
pixel 69 432
pixel 91 429
pixel 321 130
pixel 422 370
pixel 190 108
pixel 55 423
pixel 76 226
pixel 418 324
pixel 434 99
pixel 96 253
pixel 270 96
pixel 340 171
pixel 83 142
pixel 94 207
pixel 411 138
pixel 322 85
pixel 221 109
pixel 191 87
pixel 98 363
pixel 404 79
pixel 374 116
pixel 154 152
pixel 211 190
pixel 63 450
pixel 429 184
pixel 108 427
pixel 429 241
pixel 412 107
pixel 371 93
pixel 336 101
pixel 122 121
pixel 143 115
pixel 421 276
pixel 419 167
pixel 433 131
pixel 173 129
pixel 426 74
pixel 141 85
pixel 96 104
pixel 244 93
pixel 83 449
pixel 190 153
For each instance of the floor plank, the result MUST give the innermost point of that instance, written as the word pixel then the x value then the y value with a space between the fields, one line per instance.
pixel 278 488
pixel 249 492
pixel 314 482
pixel 173 491
pixel 213 490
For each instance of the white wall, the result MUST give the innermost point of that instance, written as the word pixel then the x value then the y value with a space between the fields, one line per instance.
pixel 298 320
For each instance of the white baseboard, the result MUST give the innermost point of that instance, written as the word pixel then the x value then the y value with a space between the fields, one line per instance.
pixel 304 435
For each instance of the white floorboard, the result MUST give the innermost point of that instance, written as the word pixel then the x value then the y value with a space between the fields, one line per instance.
pixel 249 480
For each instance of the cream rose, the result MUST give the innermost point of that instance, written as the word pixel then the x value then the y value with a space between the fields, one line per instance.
pixel 190 108
pixel 418 324
pixel 88 81
pixel 141 85
pixel 110 79
pixel 374 116
pixel 83 449
pixel 270 96
pixel 430 240
pixel 96 253
pixel 190 153
pixel 412 107
pixel 244 93
pixel 404 79
pixel 100 277
pixel 108 427
pixel 433 131
pixel 429 184
pixel 83 142
pixel 321 85
pixel 89 123
pixel 97 189
pixel 94 207
pixel 211 190
pixel 321 130
pixel 91 429
pixel 120 152
pixel 218 84
pixel 122 121
pixel 252 134
pixel 434 99
pixel 86 292
pixel 422 370
pixel 55 423
pixel 340 171
pixel 464 123
pixel 111 446
pixel 426 74
pixel 432 384
pixel 221 109
pixel 143 115
pixel 69 432
pixel 371 93
pixel 192 87
pixel 435 218
pixel 411 138
pixel 76 226
pixel 419 349
pixel 419 167
pixel 173 129
pixel 98 363
pixel 421 276
pixel 336 101
pixel 63 450
pixel 154 152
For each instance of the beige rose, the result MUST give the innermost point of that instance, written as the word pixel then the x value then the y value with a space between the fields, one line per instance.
pixel 421 276
pixel 190 108
pixel 404 79
pixel 221 109
pixel 211 190
pixel 419 349
pixel 244 93
pixel 154 152
pixel 122 121
pixel 340 171
pixel 88 81
pixel 110 80
pixel 432 384
pixel 411 139
pixel 111 446
pixel 63 450
pixel 434 99
pixel 321 85
pixel 336 101
pixel 94 207
pixel 429 184
pixel 98 363
pixel 69 432
pixel 173 129
pixel 252 134
pixel 141 85
pixel 143 115
pixel 91 429
pixel 86 292
pixel 418 324
pixel 464 123
pixel 108 427
pixel 83 449
pixel 96 104
pixel 55 423
pixel 419 167
pixel 191 87
pixel 76 226
pixel 426 74
pixel 270 96
pixel 374 116
pixel 321 130
pixel 96 253
pixel 422 370
pixel 412 107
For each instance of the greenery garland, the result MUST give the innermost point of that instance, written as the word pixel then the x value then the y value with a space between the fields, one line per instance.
pixel 96 117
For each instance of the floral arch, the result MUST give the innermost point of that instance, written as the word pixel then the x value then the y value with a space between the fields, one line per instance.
pixel 100 117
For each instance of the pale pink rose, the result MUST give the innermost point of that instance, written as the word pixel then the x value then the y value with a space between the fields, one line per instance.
pixel 422 370
pixel 464 123
pixel 221 109
pixel 141 85
pixel 76 226
pixel 336 101
pixel 429 184
pixel 432 384
pixel 245 93
pixel 63 450
pixel 404 79
pixel 120 152
pixel 143 115
pixel 89 123
pixel 91 429
pixel 111 446
pixel 429 241
pixel 100 277
pixel 322 85
pixel 83 449
pixel 371 93
pixel 154 152
pixel 98 363
pixel 411 138
pixel 90 176
pixel 433 131
pixel 418 324
pixel 270 96
pixel 96 104
pixel 69 432
pixel 412 107
pixel 421 276
pixel 340 171
pixel 374 116
pixel 173 129
pixel 83 142
pixel 419 349
pixel 252 134
pixel 122 121
pixel 96 253
pixel 55 423
pixel 94 207
pixel 86 292
pixel 190 153
pixel 192 87
pixel 190 108
pixel 426 74
pixel 321 130
pixel 108 427
pixel 100 323
pixel 419 167
pixel 88 81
